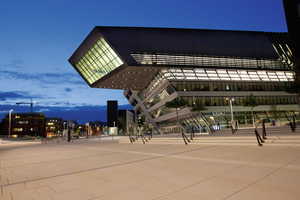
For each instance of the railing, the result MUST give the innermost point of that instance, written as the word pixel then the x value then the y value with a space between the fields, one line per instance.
pixel 264 133
pixel 143 138
pixel 131 139
pixel 207 123
pixel 185 138
pixel 54 140
pixel 293 125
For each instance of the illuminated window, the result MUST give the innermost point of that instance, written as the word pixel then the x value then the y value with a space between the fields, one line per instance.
pixel 99 60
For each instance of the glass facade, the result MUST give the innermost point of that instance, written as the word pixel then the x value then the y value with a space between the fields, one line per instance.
pixel 99 60
pixel 155 82
pixel 160 96
pixel 161 111
pixel 221 120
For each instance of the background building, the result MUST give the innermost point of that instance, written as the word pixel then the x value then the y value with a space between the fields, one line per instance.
pixel 25 124
pixel 112 117
pixel 120 121
pixel 156 65
pixel 54 127
pixel 127 122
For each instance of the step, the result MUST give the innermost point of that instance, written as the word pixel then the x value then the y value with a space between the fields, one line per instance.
pixel 218 141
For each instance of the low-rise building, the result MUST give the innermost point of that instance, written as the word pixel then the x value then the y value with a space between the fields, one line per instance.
pixel 54 127
pixel 25 124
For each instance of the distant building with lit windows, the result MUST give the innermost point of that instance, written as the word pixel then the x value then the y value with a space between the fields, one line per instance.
pixel 54 127
pixel 23 124
pixel 156 65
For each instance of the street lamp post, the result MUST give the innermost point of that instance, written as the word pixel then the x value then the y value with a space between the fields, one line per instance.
pixel 114 127
pixel 231 110
pixel 9 123
pixel 64 127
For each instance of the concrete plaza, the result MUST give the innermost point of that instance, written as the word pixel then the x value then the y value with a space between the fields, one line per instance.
pixel 107 170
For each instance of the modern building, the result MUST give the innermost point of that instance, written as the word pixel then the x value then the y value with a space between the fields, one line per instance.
pixel 156 65
pixel 127 122
pixel 292 13
pixel 25 124
pixel 120 121
pixel 112 117
pixel 54 127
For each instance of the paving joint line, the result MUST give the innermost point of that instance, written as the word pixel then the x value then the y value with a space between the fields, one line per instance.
pixel 260 179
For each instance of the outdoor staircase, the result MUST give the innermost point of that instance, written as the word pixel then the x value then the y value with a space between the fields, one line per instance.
pixel 276 136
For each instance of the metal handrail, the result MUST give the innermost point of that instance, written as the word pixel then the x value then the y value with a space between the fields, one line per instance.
pixel 185 138
pixel 264 134
pixel 143 138
pixel 131 139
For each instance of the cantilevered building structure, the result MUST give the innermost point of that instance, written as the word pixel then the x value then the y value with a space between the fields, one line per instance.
pixel 155 65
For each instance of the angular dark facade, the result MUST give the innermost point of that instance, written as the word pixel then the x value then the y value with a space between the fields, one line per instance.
pixel 112 113
pixel 292 13
pixel 156 65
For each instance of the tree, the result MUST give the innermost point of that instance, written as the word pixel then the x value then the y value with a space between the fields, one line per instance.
pixel 250 101
pixel 177 103
pixel 293 86
pixel 76 130
pixel 275 112
pixel 198 106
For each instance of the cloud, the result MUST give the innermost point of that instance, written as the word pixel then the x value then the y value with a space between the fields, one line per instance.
pixel 17 95
pixel 68 90
pixel 44 78
pixel 9 95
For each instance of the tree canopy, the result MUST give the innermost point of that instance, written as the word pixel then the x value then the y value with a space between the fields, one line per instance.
pixel 293 86
pixel 177 103
pixel 250 101
pixel 198 106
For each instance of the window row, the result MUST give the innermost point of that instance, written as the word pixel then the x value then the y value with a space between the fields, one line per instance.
pixel 226 75
pixel 221 101
pixel 205 60
pixel 28 122
pixel 28 129
pixel 225 86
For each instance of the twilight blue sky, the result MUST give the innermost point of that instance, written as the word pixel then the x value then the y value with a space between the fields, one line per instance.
pixel 37 37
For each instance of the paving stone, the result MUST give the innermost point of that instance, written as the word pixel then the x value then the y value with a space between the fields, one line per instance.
pixel 25 195
pixel 45 191
pixel 13 188
pixel 3 182
pixel 31 184
pixel 72 194
pixel 109 170
pixel 6 197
